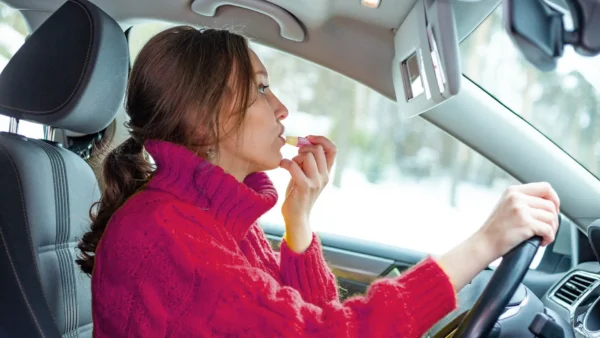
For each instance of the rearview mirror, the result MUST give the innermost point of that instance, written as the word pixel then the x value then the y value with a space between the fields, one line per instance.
pixel 426 68
pixel 538 30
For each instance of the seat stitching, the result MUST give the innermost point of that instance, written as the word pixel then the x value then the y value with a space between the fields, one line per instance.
pixel 87 56
pixel 61 232
pixel 51 247
pixel 34 251
pixel 73 296
pixel 82 328
pixel 61 198
pixel 21 288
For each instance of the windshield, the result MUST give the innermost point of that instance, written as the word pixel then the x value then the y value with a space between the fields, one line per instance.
pixel 563 104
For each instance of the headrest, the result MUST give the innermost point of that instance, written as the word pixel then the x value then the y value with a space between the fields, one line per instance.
pixel 71 73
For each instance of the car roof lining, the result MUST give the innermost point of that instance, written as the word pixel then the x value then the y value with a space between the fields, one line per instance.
pixel 340 35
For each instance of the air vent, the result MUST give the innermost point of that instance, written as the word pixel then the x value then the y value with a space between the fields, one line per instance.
pixel 573 288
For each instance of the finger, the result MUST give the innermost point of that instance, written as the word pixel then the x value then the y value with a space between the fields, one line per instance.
pixel 543 230
pixel 309 165
pixel 539 203
pixel 299 159
pixel 543 190
pixel 298 176
pixel 328 146
pixel 546 217
pixel 319 154
pixel 544 204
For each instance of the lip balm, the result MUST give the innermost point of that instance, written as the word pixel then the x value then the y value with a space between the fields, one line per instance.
pixel 297 141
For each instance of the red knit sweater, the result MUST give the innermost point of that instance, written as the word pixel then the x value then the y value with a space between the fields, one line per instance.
pixel 186 258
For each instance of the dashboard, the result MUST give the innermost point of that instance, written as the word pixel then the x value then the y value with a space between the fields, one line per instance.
pixel 576 297
pixel 573 303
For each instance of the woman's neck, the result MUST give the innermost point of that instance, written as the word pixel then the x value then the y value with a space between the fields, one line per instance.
pixel 238 168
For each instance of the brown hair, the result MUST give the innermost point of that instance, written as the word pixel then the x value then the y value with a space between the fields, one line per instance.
pixel 185 85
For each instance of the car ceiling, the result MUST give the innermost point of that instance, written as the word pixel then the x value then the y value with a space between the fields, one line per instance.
pixel 341 35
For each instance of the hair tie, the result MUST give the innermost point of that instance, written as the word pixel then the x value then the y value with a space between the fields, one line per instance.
pixel 132 146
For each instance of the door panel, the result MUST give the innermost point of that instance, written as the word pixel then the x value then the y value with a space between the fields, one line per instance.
pixel 354 271
pixel 355 263
pixel 350 263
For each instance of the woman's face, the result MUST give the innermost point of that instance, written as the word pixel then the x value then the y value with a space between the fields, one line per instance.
pixel 257 144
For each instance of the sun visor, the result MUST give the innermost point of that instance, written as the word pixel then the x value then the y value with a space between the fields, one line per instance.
pixel 426 68
pixel 71 73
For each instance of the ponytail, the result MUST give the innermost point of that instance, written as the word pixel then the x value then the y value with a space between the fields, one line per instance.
pixel 125 171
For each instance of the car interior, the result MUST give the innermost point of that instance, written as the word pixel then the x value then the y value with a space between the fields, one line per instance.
pixel 67 77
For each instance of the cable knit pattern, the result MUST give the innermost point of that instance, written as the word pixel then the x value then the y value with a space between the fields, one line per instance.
pixel 186 258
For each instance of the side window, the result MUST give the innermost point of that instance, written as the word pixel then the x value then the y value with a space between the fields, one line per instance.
pixel 398 180
pixel 13 31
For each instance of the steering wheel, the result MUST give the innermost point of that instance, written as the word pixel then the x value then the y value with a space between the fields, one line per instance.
pixel 480 320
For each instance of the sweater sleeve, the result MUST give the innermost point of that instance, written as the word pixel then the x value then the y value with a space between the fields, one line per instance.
pixel 308 273
pixel 405 306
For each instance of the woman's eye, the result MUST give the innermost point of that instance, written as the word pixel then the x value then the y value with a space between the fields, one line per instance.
pixel 262 89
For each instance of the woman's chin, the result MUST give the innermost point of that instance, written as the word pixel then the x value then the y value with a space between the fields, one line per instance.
pixel 267 164
pixel 275 162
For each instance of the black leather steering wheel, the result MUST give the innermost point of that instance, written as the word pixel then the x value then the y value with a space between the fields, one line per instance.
pixel 480 320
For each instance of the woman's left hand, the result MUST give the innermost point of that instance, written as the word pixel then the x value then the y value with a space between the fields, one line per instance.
pixel 310 174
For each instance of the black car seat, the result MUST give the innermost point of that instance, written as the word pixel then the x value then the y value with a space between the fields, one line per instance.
pixel 71 74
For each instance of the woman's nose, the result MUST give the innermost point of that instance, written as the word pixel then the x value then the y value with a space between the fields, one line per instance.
pixel 281 111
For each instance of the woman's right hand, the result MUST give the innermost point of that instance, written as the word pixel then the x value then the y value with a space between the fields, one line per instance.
pixel 523 211
pixel 310 174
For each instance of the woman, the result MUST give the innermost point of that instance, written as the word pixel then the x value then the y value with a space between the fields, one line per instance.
pixel 177 251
